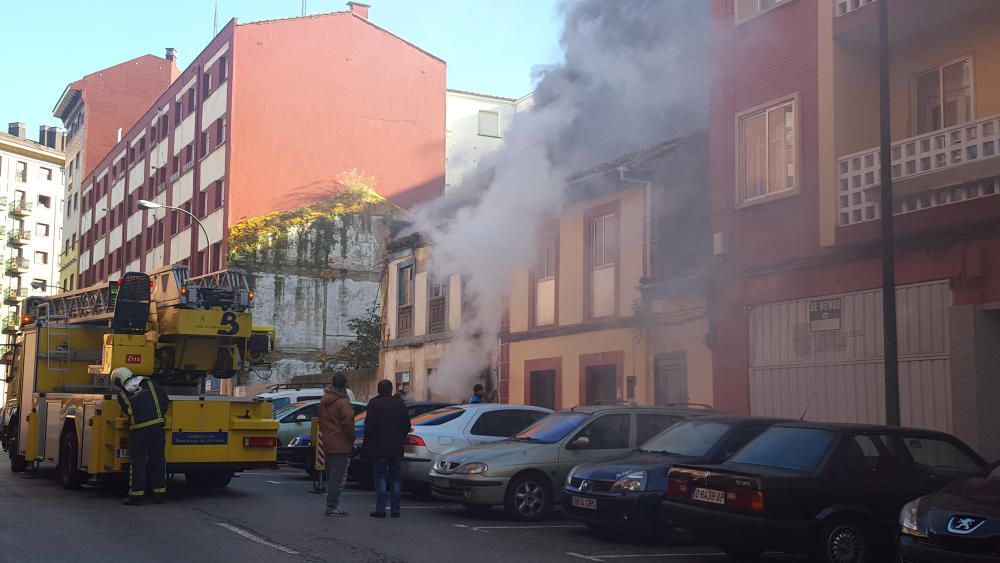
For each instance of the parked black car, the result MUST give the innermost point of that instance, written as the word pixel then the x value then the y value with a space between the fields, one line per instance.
pixel 624 494
pixel 833 491
pixel 360 469
pixel 960 523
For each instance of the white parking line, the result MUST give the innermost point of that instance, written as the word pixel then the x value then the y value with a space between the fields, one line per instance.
pixel 274 482
pixel 638 555
pixel 257 539
pixel 488 528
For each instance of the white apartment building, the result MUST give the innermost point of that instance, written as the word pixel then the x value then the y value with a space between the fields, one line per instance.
pixel 476 125
pixel 31 188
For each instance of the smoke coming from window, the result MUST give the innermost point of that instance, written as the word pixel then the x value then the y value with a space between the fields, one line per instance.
pixel 634 74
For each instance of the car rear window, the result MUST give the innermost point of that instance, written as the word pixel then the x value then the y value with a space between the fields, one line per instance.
pixel 553 428
pixel 438 417
pixel 797 449
pixel 691 438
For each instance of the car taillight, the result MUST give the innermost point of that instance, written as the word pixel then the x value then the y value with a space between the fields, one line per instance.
pixel 677 488
pixel 123 443
pixel 745 499
pixel 414 440
pixel 260 442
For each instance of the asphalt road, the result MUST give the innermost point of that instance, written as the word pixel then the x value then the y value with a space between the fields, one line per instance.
pixel 273 516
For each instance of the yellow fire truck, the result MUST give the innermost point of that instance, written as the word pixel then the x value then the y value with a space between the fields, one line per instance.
pixel 62 408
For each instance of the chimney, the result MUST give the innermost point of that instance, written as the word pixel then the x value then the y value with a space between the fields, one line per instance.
pixel 59 142
pixel 359 9
pixel 171 53
pixel 18 130
pixel 43 135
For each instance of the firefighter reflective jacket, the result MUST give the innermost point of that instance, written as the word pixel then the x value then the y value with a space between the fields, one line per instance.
pixel 144 403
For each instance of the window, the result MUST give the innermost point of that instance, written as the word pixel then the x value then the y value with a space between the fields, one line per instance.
pixel 649 425
pixel 39 283
pixel 767 151
pixel 797 449
pixel 44 173
pixel 603 246
pixel 73 241
pixel 504 423
pixel 545 279
pixel 45 201
pixel 203 203
pixel 159 231
pixel 438 417
pixel 41 229
pixel 489 124
pixel 405 309
pixel 951 83
pixel 76 201
pixel 216 257
pixel 437 304
pixel 206 85
pixel 554 427
pixel 609 432
pixel 203 145
pixel 222 69
pixel 187 218
pixel 935 455
pixel 173 224
pixel 747 9
pixel 220 131
pixel 177 113
pixel 217 193
pixel 188 154
pixel 403 381
pixel 543 388
pixel 691 438
pixel 546 267
pixel 41 257
pixel 21 171
pixel 190 100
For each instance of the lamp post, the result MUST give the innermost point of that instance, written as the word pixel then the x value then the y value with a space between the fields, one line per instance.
pixel 44 285
pixel 150 205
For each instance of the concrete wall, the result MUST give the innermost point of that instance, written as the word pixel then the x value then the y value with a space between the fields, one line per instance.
pixel 465 146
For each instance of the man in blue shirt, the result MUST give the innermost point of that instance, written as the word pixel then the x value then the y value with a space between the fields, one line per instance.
pixel 478 394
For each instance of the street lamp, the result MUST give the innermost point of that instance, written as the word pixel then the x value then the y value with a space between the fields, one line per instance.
pixel 43 285
pixel 150 205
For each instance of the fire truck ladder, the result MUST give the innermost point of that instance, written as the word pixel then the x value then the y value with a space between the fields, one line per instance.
pixel 228 289
pixel 124 303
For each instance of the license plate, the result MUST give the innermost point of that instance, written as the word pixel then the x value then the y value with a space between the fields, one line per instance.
pixel 709 495
pixel 584 502
pixel 441 483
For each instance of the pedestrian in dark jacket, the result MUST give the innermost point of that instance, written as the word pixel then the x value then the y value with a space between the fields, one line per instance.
pixel 336 424
pixel 387 424
pixel 145 405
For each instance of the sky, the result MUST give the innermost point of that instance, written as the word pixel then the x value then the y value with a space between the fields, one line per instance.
pixel 491 46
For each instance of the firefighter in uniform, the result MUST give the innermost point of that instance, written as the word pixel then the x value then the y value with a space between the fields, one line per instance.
pixel 145 404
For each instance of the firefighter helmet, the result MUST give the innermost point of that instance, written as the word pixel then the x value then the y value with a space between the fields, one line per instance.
pixel 121 375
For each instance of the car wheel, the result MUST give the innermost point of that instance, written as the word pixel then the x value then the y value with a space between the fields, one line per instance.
pixel 842 541
pixel 70 477
pixel 742 551
pixel 529 497
pixel 17 462
pixel 477 509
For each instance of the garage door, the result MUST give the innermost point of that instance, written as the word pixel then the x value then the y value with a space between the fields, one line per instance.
pixel 823 356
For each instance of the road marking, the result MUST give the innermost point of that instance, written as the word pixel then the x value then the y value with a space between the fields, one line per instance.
pixel 488 528
pixel 257 539
pixel 274 482
pixel 601 558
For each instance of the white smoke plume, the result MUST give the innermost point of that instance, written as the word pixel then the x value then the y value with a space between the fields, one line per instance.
pixel 635 73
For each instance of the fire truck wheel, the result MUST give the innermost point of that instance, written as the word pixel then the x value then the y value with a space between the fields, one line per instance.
pixel 209 479
pixel 17 461
pixel 70 477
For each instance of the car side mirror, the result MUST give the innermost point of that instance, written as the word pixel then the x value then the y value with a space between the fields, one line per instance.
pixel 301 418
pixel 580 443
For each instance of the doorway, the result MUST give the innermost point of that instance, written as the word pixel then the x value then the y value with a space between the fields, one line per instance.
pixel 601 384
pixel 543 388
pixel 670 379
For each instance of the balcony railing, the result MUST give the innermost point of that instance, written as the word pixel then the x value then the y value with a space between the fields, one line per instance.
pixel 19 237
pixel 21 208
pixel 436 313
pixel 405 326
pixel 188 166
pixel 847 6
pixel 10 323
pixel 18 264
pixel 944 149
pixel 3 203
pixel 15 296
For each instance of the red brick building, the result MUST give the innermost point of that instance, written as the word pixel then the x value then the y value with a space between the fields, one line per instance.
pixel 260 121
pixel 794 172
pixel 94 109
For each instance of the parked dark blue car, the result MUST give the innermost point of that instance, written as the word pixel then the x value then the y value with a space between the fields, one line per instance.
pixel 624 494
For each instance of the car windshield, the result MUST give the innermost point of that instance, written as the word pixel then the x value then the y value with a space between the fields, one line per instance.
pixel 281 403
pixel 435 418
pixel 552 428
pixel 797 449
pixel 691 438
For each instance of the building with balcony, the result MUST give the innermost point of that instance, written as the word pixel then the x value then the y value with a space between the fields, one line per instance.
pixel 31 187
pixel 795 210
pixel 616 308
pixel 95 110
pixel 246 131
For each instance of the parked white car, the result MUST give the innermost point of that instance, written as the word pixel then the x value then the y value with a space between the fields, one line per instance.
pixel 460 426
pixel 282 397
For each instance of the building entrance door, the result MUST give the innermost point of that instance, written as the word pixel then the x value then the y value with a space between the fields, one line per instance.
pixel 602 384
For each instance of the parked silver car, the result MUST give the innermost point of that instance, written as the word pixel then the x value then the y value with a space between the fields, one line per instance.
pixel 460 426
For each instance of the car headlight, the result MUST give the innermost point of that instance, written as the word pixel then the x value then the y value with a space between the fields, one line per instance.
pixel 909 520
pixel 472 468
pixel 631 482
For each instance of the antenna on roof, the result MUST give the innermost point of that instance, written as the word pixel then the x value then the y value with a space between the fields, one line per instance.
pixel 215 20
pixel 808 404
